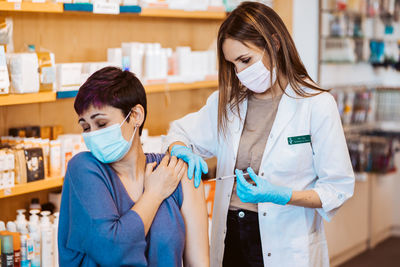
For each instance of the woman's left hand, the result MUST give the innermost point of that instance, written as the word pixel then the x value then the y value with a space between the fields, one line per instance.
pixel 263 191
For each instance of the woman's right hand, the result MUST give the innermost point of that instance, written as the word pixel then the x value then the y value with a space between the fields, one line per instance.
pixel 162 182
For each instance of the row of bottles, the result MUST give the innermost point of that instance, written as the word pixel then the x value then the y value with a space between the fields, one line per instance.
pixel 30 243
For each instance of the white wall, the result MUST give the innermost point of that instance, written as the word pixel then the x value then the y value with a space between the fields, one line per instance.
pixel 305 33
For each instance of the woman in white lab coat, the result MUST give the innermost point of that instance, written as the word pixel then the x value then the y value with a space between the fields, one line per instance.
pixel 270 119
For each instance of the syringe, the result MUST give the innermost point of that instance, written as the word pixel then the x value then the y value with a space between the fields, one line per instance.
pixel 225 177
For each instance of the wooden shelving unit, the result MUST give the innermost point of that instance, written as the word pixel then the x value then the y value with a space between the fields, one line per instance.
pixel 32 7
pixel 158 88
pixel 18 99
pixel 48 183
pixel 146 12
pixel 75 37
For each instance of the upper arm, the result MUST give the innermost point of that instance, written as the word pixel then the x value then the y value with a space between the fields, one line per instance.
pixel 194 212
pixel 198 130
pixel 332 163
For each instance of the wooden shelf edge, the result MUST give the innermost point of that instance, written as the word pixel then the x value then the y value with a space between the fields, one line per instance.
pixel 32 7
pixel 21 189
pixel 175 13
pixel 19 99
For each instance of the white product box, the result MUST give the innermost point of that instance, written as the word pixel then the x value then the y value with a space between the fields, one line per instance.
pixel 11 161
pixel 132 54
pixel 24 73
pixel 1 181
pixel 4 78
pixel 10 179
pixel 114 57
pixel 91 67
pixel 130 2
pixel 71 144
pixel 69 76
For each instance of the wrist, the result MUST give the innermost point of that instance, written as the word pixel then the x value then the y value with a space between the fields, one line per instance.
pixel 153 197
pixel 283 195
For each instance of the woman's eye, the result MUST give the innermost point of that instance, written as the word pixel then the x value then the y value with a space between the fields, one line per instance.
pixel 86 129
pixel 247 60
pixel 101 125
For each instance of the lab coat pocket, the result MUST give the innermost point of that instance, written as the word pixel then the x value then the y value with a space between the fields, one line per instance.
pixel 318 250
pixel 294 158
pixel 311 250
pixel 300 252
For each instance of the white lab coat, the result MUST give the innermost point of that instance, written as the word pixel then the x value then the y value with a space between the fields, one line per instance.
pixel 290 235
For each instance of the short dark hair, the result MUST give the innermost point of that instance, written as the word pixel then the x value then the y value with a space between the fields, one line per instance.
pixel 114 87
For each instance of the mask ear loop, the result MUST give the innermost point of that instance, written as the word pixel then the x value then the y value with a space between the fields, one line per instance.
pixel 127 116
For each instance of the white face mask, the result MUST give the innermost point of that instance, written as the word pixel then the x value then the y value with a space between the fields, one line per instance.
pixel 257 77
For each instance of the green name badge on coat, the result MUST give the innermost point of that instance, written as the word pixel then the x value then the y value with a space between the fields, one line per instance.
pixel 295 140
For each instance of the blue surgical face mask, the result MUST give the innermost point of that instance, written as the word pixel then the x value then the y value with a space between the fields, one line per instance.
pixel 108 145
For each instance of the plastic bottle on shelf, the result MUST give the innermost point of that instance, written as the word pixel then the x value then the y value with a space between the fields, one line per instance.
pixel 149 62
pixel 35 205
pixel 11 227
pixel 26 248
pixel 47 240
pixel 34 218
pixel 7 251
pixel 2 226
pixel 21 220
pixel 55 239
pixel 55 158
pixel 12 230
pixel 35 235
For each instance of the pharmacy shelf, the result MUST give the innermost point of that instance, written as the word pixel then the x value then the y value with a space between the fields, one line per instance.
pixel 21 189
pixel 217 14
pixel 354 128
pixel 175 13
pixel 18 99
pixel 32 7
pixel 158 88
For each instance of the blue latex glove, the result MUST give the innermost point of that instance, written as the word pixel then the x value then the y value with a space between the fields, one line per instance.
pixel 196 164
pixel 264 191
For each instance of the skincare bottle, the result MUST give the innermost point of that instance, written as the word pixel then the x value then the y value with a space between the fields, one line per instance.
pixel 25 243
pixel 47 240
pixel 34 233
pixel 55 238
pixel 7 251
pixel 21 220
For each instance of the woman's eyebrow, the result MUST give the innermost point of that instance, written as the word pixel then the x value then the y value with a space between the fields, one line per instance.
pixel 95 115
pixel 91 117
pixel 241 56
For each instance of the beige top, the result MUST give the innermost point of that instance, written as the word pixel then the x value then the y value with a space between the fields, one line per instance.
pixel 257 126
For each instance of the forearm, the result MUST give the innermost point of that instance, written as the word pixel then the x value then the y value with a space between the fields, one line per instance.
pixel 146 207
pixel 307 199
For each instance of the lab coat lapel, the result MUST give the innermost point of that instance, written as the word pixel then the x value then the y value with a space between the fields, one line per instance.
pixel 286 111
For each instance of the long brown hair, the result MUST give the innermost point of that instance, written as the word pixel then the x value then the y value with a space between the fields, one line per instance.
pixel 257 24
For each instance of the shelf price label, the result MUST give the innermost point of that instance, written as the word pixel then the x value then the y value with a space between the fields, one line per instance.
pixel 105 8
